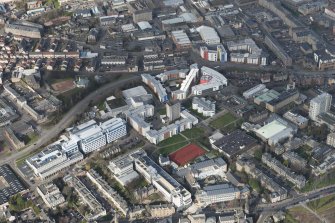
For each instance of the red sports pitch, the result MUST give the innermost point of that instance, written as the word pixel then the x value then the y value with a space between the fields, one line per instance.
pixel 186 154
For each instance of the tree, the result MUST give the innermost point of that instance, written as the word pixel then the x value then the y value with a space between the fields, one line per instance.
pixel 255 185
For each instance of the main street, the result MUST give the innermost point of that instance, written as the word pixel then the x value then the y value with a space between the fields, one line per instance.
pixel 69 118
pixel 266 209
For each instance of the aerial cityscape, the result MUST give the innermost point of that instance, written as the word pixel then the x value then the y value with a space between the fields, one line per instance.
pixel 167 111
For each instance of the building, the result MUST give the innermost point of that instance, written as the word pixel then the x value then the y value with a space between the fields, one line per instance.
pixel 108 192
pixel 156 86
pixel 275 131
pixel 142 15
pixel 203 106
pixel 297 119
pixel 51 195
pixel 278 50
pixel 94 208
pixel 161 211
pixel 217 53
pixel 218 193
pixel 279 168
pixel 331 139
pixel 327 164
pixel 282 100
pixel 294 159
pixel 25 29
pixel 253 55
pixel 52 160
pixel 234 143
pixel 181 40
pixel 122 169
pixel 210 81
pixel 92 136
pixel 173 111
pixel 268 181
pixel 254 91
pixel 208 35
pixel 203 169
pixel 172 191
pixel 11 184
pixel 319 105
pixel 12 138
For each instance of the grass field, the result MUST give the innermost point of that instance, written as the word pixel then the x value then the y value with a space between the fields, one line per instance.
pixel 172 140
pixel 169 149
pixel 193 133
pixel 325 207
pixel 300 214
pixel 223 121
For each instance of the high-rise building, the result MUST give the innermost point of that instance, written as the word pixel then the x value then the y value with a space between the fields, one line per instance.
pixel 173 111
pixel 320 104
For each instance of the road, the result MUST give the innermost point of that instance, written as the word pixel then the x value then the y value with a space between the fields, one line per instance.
pixel 69 118
pixel 263 209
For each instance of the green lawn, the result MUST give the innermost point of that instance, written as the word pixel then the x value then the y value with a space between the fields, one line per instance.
pixel 193 133
pixel 223 121
pixel 169 149
pixel 322 204
pixel 172 140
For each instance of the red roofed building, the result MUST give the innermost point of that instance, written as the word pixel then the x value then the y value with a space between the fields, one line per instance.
pixel 186 154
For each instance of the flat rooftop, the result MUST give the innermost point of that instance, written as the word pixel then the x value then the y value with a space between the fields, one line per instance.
pixel 271 129
pixel 235 143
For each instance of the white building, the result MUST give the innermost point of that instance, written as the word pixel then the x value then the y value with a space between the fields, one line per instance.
pixel 51 195
pixel 218 193
pixel 203 106
pixel 170 188
pixel 208 35
pixel 331 139
pixel 156 86
pixel 275 131
pixel 320 104
pixel 252 53
pixel 92 136
pixel 253 91
pixel 52 160
pixel 210 81
pixel 122 169
pixel 113 129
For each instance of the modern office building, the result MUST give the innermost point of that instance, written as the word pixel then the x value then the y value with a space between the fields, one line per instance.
pixel 52 160
pixel 218 193
pixel 319 105
pixel 113 129
pixel 92 136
